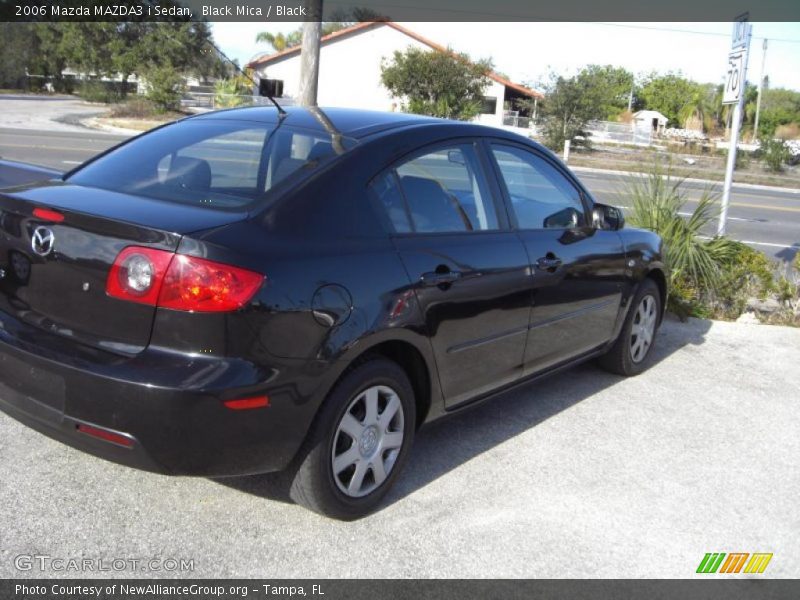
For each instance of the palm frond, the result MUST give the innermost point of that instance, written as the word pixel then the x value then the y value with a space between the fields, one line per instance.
pixel 659 204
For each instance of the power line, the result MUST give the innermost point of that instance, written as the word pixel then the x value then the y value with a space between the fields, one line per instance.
pixel 676 30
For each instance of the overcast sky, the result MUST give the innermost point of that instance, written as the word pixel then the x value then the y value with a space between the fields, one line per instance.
pixel 526 51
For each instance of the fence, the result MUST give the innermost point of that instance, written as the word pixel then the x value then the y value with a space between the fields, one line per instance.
pixel 514 120
pixel 211 101
pixel 619 133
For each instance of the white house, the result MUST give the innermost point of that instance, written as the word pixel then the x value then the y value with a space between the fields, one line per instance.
pixel 350 70
pixel 650 119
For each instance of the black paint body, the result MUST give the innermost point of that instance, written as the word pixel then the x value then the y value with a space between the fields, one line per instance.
pixel 338 286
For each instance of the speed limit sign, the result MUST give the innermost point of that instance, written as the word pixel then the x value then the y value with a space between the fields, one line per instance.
pixel 734 81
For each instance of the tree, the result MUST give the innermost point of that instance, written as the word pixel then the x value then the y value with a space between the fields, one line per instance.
pixel 440 84
pixel 699 107
pixel 778 107
pixel 668 94
pixel 595 92
pixel 570 102
pixel 49 60
pixel 610 86
pixel 20 45
pixel 125 49
pixel 165 86
pixel 281 42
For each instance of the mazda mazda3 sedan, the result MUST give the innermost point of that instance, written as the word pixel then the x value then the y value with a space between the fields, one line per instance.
pixel 255 290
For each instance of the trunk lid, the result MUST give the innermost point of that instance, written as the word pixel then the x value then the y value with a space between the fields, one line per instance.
pixel 54 273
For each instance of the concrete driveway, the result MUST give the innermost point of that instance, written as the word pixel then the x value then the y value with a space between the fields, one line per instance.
pixel 582 475
pixel 48 113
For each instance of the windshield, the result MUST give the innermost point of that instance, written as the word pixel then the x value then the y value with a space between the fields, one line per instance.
pixel 216 163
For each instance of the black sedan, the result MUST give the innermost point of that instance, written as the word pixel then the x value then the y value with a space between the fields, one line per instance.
pixel 255 290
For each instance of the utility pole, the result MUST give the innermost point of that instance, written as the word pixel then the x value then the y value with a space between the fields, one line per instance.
pixel 309 53
pixel 630 97
pixel 760 90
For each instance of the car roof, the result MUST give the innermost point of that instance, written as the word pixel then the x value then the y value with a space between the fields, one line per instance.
pixel 350 122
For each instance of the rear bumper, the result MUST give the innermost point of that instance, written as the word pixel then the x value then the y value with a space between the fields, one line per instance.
pixel 170 406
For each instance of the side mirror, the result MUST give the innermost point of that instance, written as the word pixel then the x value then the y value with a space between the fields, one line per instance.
pixel 607 217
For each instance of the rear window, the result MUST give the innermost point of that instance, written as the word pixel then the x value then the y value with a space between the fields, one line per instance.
pixel 220 164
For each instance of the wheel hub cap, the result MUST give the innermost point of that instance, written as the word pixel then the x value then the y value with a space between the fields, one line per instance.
pixel 643 328
pixel 368 441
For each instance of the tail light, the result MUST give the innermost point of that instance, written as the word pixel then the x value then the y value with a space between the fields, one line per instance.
pixel 48 215
pixel 181 282
pixel 137 273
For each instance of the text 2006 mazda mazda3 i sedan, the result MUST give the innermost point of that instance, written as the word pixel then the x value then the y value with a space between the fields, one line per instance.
pixel 249 291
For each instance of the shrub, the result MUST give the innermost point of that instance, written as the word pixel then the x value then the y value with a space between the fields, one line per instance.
pixel 775 153
pixel 165 87
pixel 135 108
pixel 744 273
pixel 229 93
pixel 100 91
pixel 658 199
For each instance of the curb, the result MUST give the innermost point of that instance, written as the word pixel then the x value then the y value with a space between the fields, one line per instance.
pixel 93 123
pixel 748 186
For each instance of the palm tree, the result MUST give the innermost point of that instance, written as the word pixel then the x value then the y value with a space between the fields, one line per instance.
pixel 279 41
pixel 699 107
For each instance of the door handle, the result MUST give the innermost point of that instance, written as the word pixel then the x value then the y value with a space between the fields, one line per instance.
pixel 439 277
pixel 548 263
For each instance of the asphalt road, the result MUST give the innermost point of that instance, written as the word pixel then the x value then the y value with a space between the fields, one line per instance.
pixel 582 475
pixel 767 219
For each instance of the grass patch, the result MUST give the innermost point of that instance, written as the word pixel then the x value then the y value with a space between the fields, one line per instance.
pixel 142 108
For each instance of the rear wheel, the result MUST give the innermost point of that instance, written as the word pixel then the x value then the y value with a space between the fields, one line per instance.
pixel 631 353
pixel 358 443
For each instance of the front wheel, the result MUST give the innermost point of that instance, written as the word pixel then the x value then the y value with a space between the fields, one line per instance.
pixel 632 351
pixel 358 443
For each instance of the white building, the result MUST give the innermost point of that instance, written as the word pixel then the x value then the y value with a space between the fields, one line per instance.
pixel 650 119
pixel 350 70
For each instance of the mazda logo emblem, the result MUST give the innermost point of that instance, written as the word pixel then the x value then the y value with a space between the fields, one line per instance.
pixel 42 241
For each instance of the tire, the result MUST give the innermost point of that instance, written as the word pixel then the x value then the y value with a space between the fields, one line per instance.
pixel 349 440
pixel 622 358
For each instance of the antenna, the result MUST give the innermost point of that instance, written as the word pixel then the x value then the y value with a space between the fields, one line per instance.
pixel 271 88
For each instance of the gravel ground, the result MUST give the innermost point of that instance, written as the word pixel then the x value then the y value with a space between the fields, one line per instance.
pixel 581 475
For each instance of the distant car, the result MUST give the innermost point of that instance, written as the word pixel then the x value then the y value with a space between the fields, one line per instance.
pixel 247 291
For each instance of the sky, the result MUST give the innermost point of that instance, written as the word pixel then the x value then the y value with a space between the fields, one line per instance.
pixel 526 52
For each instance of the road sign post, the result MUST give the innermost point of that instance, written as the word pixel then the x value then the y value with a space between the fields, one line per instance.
pixel 735 82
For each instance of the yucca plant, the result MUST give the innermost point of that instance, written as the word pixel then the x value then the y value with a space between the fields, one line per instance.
pixel 659 202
